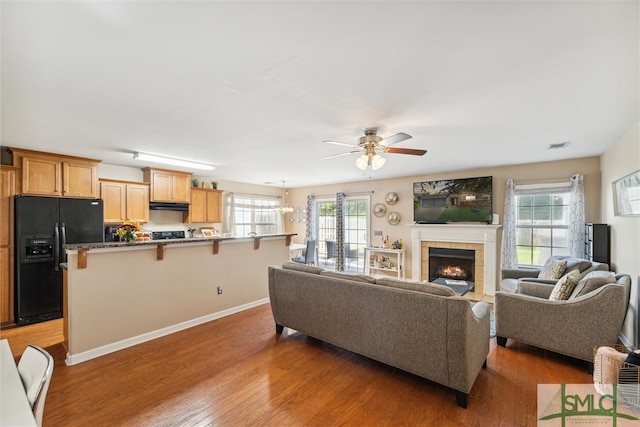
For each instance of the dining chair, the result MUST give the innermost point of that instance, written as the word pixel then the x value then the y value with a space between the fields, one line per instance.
pixel 309 254
pixel 36 368
pixel 331 250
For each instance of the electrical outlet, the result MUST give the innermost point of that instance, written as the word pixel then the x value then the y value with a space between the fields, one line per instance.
pixel 219 289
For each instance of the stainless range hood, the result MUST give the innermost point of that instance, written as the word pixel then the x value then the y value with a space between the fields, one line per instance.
pixel 165 206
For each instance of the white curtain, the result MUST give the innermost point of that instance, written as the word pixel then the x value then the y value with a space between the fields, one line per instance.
pixel 509 256
pixel 576 216
pixel 310 226
pixel 280 217
pixel 340 231
pixel 229 215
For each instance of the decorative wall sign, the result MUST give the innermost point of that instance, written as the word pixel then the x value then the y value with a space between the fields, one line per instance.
pixel 393 218
pixel 391 198
pixel 379 210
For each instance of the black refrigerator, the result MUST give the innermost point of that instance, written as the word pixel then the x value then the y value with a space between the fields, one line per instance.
pixel 42 226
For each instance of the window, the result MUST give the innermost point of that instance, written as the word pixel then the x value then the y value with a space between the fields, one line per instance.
pixel 542 226
pixel 256 214
pixel 356 224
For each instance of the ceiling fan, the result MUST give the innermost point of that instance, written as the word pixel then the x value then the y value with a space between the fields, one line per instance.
pixel 370 144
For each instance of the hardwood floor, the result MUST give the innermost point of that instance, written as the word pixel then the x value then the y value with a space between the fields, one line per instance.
pixel 237 371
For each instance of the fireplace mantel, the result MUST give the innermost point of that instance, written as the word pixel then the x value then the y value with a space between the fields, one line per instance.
pixel 481 234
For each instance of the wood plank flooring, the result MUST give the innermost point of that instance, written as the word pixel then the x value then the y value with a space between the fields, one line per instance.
pixel 236 371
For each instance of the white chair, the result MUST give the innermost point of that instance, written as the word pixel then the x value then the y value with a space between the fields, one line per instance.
pixel 36 368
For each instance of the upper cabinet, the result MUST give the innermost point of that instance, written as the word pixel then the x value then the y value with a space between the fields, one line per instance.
pixel 205 206
pixel 124 201
pixel 54 175
pixel 168 186
pixel 7 191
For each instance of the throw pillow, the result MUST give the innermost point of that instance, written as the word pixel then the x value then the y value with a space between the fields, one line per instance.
pixel 563 288
pixel 427 288
pixel 348 276
pixel 552 269
pixel 593 281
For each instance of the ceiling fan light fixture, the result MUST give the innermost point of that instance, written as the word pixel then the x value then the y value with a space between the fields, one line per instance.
pixel 377 161
pixel 362 162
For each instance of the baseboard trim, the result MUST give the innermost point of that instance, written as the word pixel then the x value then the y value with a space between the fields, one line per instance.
pixel 74 359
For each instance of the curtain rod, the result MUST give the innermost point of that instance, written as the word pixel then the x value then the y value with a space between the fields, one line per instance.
pixel 266 196
pixel 358 193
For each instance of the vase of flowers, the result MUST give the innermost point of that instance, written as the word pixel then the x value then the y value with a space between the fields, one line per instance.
pixel 126 232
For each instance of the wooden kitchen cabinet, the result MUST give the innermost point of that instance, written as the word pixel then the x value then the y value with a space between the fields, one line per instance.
pixel 46 174
pixel 168 186
pixel 7 191
pixel 124 201
pixel 205 206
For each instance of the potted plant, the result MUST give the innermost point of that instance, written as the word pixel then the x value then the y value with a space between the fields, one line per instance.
pixel 194 182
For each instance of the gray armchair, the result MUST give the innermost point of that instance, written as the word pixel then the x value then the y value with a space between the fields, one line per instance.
pixel 512 278
pixel 571 327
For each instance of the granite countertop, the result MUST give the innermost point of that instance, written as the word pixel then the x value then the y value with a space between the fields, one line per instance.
pixel 186 240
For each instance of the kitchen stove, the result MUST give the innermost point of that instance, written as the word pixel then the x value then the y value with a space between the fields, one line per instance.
pixel 160 235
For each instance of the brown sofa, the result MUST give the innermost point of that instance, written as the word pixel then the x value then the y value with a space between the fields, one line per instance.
pixel 420 328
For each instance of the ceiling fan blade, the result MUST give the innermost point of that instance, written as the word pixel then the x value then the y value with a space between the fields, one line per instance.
pixel 341 143
pixel 411 151
pixel 340 155
pixel 394 139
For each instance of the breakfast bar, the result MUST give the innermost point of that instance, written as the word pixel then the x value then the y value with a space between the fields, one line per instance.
pixel 118 294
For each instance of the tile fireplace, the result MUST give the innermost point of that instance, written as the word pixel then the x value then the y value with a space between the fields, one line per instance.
pixel 468 250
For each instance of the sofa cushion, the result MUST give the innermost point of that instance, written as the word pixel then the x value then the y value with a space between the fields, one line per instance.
pixel 563 288
pixel 290 265
pixel 553 269
pixel 593 281
pixel 577 264
pixel 348 276
pixel 428 288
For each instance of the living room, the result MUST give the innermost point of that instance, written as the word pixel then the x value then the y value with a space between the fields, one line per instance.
pixel 618 155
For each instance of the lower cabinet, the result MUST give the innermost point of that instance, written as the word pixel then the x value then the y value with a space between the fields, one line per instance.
pixel 6 282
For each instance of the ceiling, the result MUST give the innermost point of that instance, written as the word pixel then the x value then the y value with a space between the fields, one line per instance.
pixel 255 87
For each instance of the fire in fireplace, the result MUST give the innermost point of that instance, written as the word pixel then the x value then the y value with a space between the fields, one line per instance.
pixel 447 263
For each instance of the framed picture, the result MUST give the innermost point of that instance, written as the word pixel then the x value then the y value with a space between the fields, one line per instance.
pixel 626 195
pixel 208 232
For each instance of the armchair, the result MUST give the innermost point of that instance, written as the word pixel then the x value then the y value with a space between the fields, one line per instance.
pixel 513 278
pixel 571 327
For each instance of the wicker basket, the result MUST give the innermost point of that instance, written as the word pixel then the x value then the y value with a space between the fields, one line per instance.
pixel 609 368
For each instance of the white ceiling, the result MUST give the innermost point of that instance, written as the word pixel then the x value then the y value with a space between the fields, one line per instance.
pixel 255 87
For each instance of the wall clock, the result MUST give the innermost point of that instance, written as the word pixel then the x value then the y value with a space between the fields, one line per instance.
pixel 379 209
pixel 391 198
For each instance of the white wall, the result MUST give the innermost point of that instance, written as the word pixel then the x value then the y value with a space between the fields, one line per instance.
pixel 622 159
pixel 533 172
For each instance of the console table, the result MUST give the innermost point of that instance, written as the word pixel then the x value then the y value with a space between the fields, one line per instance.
pixel 382 261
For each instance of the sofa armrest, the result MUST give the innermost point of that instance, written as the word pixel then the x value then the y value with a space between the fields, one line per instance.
pixel 535 289
pixel 517 273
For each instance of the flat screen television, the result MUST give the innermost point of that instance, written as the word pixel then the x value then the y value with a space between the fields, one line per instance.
pixel 453 200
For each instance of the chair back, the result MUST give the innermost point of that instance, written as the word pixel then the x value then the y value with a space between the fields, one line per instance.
pixel 36 368
pixel 331 249
pixel 310 254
